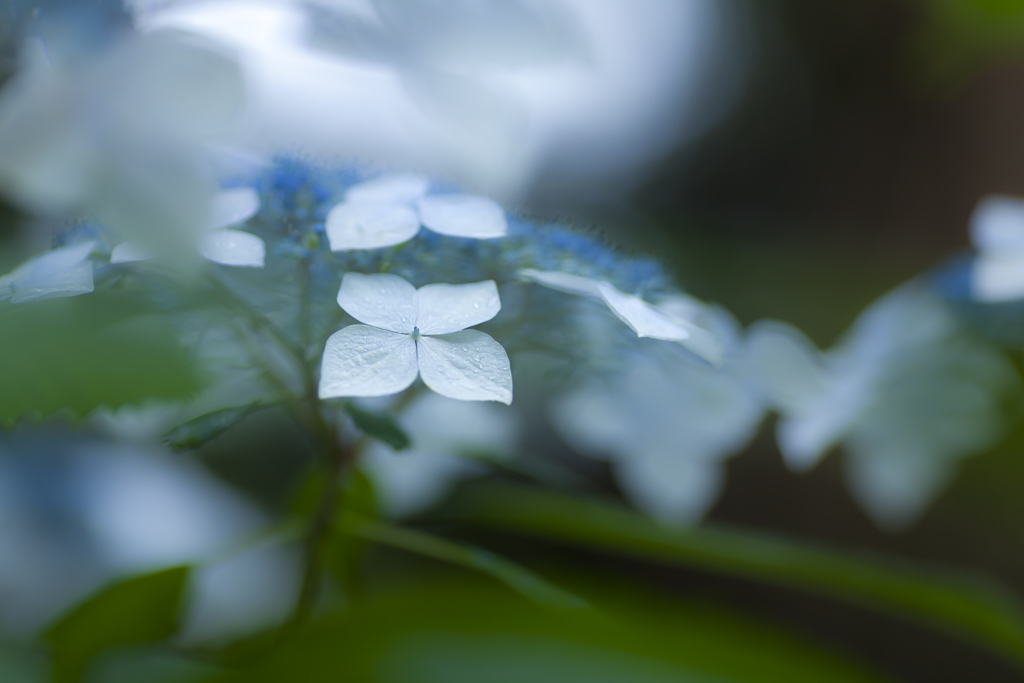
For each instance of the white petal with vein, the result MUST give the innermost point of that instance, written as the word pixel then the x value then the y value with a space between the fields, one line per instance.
pixel 396 188
pixel 641 316
pixel 563 282
pixel 233 206
pixel 385 301
pixel 467 365
pixel 365 361
pixel 361 225
pixel 233 248
pixel 444 309
pixel 463 215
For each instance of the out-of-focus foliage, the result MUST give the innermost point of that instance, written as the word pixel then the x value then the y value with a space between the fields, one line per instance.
pixel 975 608
pixel 961 36
pixel 460 632
pixel 140 610
pixel 79 354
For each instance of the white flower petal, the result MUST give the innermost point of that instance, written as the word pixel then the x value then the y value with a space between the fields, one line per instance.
pixel 563 282
pixel 642 317
pixel 648 321
pixel 443 309
pixel 467 365
pixel 233 206
pixel 670 486
pixel 396 188
pixel 463 215
pixel 129 252
pixel 896 488
pixel 786 365
pixel 385 301
pixel 406 483
pixel 60 273
pixel 233 248
pixel 366 361
pixel 998 225
pixel 362 225
pixel 998 277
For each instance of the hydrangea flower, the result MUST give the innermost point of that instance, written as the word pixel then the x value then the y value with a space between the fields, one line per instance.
pixel 905 393
pixel 56 274
pixel 449 438
pixel 410 332
pixel 666 422
pixel 997 230
pixel 390 210
pixel 220 245
pixel 645 319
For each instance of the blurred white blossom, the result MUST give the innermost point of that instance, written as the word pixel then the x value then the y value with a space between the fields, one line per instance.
pixel 494 95
pixel 997 230
pixel 389 210
pixel 449 439
pixel 906 393
pixel 56 274
pixel 120 134
pixel 110 510
pixel 667 421
pixel 645 319
pixel 410 332
pixel 220 244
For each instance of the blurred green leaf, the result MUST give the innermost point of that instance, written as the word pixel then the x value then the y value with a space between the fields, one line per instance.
pixel 960 37
pixel 380 427
pixel 467 633
pixel 77 354
pixel 149 665
pixel 963 605
pixel 142 609
pixel 517 577
pixel 200 430
pixel 19 664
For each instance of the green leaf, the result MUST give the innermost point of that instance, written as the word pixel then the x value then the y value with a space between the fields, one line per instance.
pixel 200 430
pixel 468 631
pixel 80 353
pixel 515 576
pixel 142 609
pixel 967 606
pixel 380 427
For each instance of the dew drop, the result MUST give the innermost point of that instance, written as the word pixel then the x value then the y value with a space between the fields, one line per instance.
pixel 476 305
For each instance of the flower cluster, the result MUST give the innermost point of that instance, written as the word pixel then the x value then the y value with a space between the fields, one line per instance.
pixel 377 282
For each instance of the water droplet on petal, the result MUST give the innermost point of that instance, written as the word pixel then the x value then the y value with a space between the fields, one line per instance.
pixel 476 305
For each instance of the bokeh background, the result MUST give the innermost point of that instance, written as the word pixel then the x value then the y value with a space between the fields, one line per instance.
pixel 788 159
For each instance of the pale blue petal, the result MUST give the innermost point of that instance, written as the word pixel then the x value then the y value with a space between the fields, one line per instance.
pixel 60 273
pixel 997 225
pixel 669 486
